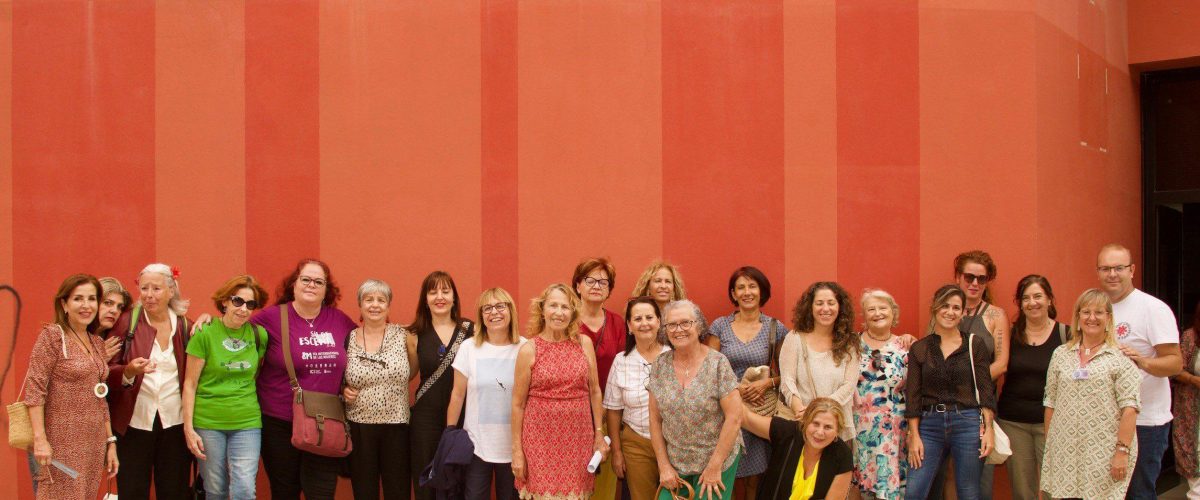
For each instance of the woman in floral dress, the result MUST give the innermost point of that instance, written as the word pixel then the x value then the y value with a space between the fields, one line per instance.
pixel 880 466
pixel 1185 396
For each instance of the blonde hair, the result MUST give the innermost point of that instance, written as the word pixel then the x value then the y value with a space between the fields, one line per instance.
pixel 875 293
pixel 643 283
pixel 177 304
pixel 499 295
pixel 824 405
pixel 537 320
pixel 1092 297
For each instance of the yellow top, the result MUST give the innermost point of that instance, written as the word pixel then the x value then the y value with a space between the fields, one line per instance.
pixel 803 487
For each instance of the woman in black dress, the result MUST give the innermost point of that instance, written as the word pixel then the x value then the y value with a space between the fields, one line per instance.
pixel 439 330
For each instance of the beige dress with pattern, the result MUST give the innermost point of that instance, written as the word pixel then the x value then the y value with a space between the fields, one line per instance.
pixel 1082 436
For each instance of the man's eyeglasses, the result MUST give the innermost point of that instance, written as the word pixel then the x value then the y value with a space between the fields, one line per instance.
pixel 1109 269
pixel 239 302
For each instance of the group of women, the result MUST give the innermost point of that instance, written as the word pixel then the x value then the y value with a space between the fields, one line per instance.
pixel 827 407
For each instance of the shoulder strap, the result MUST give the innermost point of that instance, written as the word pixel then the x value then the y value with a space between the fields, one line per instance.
pixel 460 333
pixel 134 316
pixel 287 344
pixel 971 353
pixel 774 359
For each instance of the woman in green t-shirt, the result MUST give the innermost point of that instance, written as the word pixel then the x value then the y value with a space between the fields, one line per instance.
pixel 222 423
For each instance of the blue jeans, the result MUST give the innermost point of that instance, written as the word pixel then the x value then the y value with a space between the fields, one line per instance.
pixel 231 469
pixel 1152 444
pixel 952 433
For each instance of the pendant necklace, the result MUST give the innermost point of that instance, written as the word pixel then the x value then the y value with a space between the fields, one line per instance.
pixel 100 390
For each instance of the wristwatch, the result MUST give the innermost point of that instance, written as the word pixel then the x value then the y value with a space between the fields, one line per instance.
pixel 1122 447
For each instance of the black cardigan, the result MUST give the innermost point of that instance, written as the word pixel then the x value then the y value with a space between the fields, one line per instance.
pixel 786 444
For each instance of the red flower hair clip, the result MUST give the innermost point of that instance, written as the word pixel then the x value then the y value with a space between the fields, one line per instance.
pixel 175 273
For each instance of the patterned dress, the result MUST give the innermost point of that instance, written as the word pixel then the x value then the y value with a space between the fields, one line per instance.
pixel 62 378
pixel 1079 444
pixel 880 464
pixel 743 355
pixel 556 435
pixel 1185 402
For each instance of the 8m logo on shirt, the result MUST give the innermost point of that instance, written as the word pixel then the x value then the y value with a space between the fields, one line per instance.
pixel 1123 330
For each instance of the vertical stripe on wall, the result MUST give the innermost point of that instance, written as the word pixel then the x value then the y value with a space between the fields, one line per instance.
pixel 878 147
pixel 83 148
pixel 8 391
pixel 589 143
pixel 723 143
pixel 282 143
pixel 810 146
pixel 200 139
pixel 498 67
pixel 400 140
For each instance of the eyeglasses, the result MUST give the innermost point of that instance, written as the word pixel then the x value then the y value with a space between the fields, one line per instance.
pixel 877 360
pixel 380 362
pixel 239 302
pixel 494 308
pixel 1109 269
pixel 593 282
pixel 315 282
pixel 682 325
pixel 981 279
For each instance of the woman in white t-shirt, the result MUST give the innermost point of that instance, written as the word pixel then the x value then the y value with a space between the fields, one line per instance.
pixel 627 400
pixel 483 378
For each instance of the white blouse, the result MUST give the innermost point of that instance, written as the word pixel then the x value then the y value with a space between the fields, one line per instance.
pixel 626 390
pixel 160 393
pixel 829 379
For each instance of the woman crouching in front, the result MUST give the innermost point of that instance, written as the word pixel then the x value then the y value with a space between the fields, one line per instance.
pixel 808 459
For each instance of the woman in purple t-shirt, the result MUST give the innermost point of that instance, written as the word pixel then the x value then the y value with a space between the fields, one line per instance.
pixel 318 332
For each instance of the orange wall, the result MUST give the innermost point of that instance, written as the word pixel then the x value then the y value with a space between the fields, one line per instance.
pixel 863 141
pixel 1161 31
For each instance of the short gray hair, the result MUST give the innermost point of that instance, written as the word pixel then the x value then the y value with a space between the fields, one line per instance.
pixel 372 286
pixel 702 324
pixel 875 293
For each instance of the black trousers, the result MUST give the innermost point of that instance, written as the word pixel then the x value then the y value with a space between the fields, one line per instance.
pixel 380 454
pixel 291 471
pixel 479 480
pixel 160 454
pixel 425 426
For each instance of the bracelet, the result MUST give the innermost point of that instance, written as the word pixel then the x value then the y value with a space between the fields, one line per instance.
pixel 111 439
pixel 1122 447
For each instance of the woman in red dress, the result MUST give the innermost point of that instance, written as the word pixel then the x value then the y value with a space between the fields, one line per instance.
pixel 557 420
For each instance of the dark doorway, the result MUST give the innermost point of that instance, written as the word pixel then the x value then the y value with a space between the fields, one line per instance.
pixel 1171 199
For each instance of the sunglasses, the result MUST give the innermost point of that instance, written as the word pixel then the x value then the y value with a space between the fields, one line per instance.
pixel 981 279
pixel 239 302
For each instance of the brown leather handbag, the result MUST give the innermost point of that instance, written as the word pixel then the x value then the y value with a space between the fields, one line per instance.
pixel 318 418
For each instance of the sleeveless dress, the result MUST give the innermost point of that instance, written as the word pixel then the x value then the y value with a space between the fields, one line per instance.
pixel 743 355
pixel 556 435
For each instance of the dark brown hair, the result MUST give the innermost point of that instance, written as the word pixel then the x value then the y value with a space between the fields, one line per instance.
pixel 764 284
pixel 423 319
pixel 586 266
pixel 1019 324
pixel 982 258
pixel 630 339
pixel 64 292
pixel 236 283
pixel 287 290
pixel 845 340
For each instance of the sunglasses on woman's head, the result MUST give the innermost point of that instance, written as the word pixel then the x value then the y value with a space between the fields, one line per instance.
pixel 239 302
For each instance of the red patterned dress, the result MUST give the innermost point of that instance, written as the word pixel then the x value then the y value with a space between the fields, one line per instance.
pixel 62 379
pixel 1186 400
pixel 556 435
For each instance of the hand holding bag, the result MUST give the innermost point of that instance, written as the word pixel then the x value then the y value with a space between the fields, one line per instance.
pixel 770 403
pixel 318 418
pixel 1001 448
